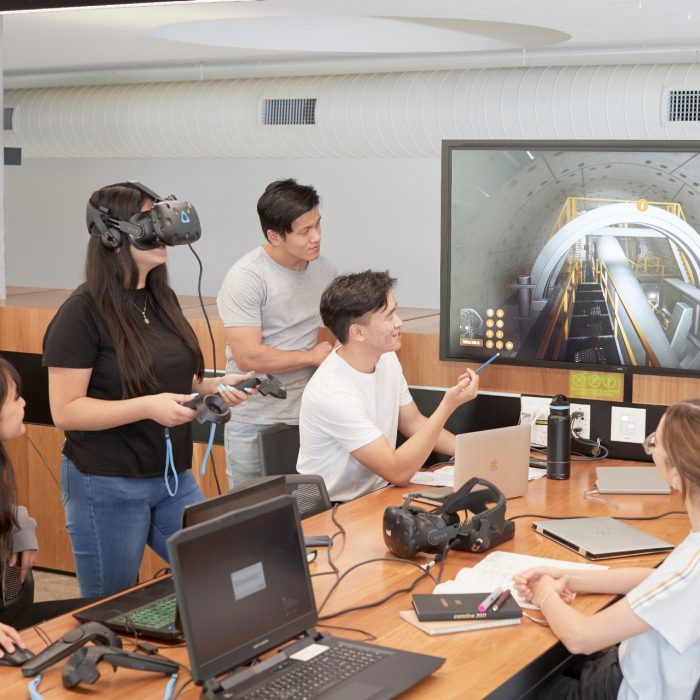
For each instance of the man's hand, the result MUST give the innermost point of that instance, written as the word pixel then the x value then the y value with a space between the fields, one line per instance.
pixel 466 389
pixel 320 353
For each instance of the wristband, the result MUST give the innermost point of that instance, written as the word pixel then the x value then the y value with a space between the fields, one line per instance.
pixel 546 595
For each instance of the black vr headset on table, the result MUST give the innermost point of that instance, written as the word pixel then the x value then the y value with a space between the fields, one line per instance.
pixel 171 222
pixel 409 529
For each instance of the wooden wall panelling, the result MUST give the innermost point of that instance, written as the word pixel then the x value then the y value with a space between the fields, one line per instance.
pixel 22 329
pixel 662 390
pixel 44 502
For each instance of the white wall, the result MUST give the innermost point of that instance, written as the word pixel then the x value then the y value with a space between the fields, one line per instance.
pixel 377 213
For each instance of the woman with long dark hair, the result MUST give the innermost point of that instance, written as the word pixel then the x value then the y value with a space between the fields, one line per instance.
pixel 122 360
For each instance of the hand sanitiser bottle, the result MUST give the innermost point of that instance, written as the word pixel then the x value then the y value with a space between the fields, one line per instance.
pixel 559 438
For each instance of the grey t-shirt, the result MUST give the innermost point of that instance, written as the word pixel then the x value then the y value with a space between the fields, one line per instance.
pixel 257 292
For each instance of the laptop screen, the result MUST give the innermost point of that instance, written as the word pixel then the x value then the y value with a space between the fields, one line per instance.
pixel 242 585
pixel 253 492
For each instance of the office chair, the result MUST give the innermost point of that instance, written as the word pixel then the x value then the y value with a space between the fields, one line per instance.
pixel 310 493
pixel 279 448
pixel 16 596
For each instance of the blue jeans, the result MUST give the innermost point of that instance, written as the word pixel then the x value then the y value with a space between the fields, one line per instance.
pixel 111 519
pixel 242 453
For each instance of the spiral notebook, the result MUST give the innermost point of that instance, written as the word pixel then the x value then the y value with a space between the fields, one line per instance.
pixel 452 626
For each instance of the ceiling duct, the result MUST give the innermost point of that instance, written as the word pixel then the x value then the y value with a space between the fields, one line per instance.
pixel 356 116
pixel 286 112
pixel 684 105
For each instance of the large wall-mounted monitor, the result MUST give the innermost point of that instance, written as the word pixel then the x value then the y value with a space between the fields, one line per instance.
pixel 572 254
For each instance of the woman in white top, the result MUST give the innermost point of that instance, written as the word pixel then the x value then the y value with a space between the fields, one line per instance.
pixel 658 619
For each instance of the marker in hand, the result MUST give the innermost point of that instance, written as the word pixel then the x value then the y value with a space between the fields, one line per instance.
pixel 488 362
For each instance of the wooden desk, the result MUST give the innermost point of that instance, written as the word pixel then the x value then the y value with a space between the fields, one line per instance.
pixel 499 663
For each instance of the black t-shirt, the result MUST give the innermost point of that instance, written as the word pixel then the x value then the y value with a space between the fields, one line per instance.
pixel 78 338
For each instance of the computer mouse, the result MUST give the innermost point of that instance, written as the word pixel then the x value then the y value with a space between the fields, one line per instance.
pixel 16 657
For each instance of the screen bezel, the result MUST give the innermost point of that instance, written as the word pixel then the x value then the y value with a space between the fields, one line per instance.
pixel 204 670
pixel 448 147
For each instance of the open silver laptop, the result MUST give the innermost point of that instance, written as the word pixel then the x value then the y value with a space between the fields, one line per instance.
pixel 500 455
pixel 601 538
pixel 630 480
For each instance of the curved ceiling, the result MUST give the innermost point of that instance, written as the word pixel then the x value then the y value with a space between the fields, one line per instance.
pixel 353 34
pixel 275 38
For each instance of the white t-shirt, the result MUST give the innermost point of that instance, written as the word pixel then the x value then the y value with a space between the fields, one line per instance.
pixel 342 410
pixel 664 663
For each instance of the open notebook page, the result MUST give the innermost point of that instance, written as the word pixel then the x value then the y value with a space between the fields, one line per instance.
pixel 498 568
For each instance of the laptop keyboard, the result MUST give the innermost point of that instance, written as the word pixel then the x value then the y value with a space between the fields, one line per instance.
pixel 294 680
pixel 160 614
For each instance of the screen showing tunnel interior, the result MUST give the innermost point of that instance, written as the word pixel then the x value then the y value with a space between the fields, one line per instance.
pixel 569 255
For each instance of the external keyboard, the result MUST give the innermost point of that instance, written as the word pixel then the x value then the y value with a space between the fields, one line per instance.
pixel 295 680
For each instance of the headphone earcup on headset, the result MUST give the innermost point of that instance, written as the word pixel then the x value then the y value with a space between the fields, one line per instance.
pixel 111 238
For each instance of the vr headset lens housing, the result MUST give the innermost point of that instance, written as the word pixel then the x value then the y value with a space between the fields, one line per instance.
pixel 170 222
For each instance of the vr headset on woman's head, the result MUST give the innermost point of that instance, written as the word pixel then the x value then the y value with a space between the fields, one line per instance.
pixel 170 222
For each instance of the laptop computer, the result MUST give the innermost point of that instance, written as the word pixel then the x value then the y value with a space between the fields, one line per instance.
pixel 499 455
pixel 151 611
pixel 601 538
pixel 239 602
pixel 630 480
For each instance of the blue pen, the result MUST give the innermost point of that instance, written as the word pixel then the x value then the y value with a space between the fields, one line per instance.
pixel 488 362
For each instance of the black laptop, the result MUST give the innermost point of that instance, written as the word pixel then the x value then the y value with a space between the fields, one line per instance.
pixel 151 611
pixel 236 603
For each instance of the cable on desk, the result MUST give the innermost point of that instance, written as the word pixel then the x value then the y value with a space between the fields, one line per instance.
pixel 374 604
pixel 425 573
pixel 368 636
pixel 341 531
pixel 41 633
pixel 179 691
pixel 576 456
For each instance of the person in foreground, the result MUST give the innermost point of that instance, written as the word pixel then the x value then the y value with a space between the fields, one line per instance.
pixel 268 303
pixel 358 398
pixel 122 360
pixel 658 619
pixel 18 543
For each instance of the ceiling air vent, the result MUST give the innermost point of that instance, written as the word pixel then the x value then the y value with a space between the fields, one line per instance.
pixel 7 115
pixel 298 111
pixel 684 106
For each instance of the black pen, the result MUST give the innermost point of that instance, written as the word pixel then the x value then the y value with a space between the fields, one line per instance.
pixel 500 602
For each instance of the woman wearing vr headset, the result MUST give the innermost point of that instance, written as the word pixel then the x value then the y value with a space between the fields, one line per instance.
pixel 658 619
pixel 122 360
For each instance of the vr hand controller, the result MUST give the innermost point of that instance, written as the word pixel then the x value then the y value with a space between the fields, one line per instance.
pixel 82 666
pixel 68 643
pixel 210 408
pixel 267 386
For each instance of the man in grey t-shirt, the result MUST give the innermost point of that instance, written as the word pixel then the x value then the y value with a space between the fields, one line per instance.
pixel 269 305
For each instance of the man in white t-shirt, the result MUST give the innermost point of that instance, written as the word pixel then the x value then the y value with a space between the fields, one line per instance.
pixel 356 401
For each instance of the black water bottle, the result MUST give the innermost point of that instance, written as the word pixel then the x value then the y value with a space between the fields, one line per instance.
pixel 559 438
